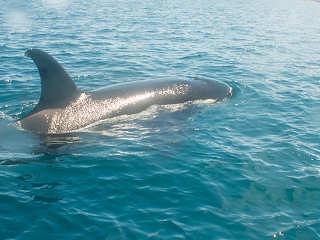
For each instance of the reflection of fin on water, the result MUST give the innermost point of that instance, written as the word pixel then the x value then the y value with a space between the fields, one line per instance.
pixel 58 140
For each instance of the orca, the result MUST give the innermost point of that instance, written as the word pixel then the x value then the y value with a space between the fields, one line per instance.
pixel 64 108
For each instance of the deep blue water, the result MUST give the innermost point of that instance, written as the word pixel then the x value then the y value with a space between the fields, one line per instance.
pixel 246 168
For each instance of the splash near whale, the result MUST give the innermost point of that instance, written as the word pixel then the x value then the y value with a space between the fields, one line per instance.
pixel 63 107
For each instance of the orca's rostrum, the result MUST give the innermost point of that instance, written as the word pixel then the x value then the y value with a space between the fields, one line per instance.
pixel 63 107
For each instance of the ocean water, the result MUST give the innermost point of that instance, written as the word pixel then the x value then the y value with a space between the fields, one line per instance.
pixel 246 168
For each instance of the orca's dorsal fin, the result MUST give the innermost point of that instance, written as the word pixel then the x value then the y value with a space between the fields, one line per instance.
pixel 57 87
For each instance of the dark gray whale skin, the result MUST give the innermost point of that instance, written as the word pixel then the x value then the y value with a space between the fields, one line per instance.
pixel 63 108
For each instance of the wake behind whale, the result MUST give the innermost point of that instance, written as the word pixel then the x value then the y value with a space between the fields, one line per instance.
pixel 64 108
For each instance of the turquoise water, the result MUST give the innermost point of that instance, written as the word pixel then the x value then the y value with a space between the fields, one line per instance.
pixel 246 168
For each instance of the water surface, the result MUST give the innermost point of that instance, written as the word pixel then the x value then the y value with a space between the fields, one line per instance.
pixel 246 168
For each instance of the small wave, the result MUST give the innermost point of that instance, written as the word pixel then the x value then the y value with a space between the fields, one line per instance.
pixel 5 117
pixel 14 143
pixel 195 56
